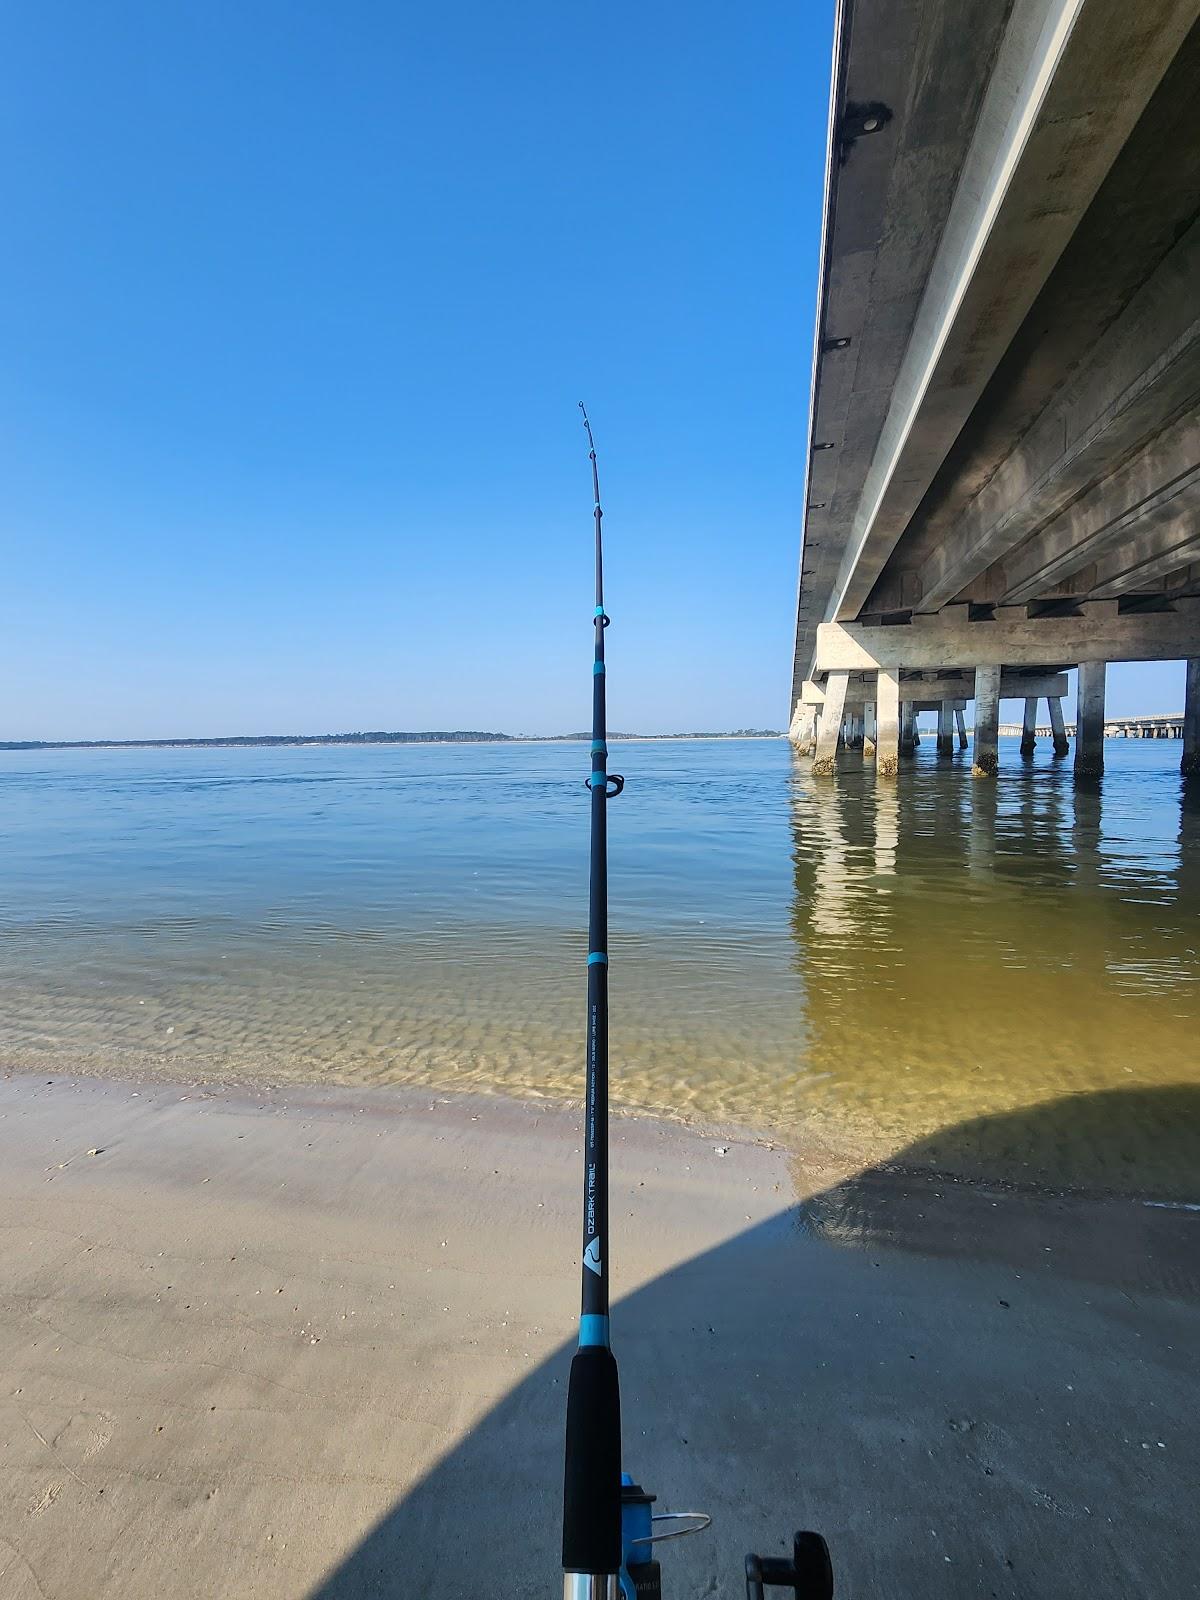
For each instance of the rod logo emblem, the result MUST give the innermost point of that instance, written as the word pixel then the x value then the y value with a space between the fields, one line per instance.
pixel 591 1256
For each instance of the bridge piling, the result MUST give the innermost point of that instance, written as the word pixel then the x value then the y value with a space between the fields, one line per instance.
pixel 1058 727
pixel 1089 720
pixel 1029 726
pixel 889 739
pixel 803 731
pixel 986 761
pixel 830 726
pixel 945 733
pixel 908 718
pixel 961 722
pixel 1190 765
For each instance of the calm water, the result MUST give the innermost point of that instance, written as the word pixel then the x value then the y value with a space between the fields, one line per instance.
pixel 927 969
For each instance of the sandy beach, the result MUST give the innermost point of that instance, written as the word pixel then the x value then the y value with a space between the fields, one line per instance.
pixel 314 1344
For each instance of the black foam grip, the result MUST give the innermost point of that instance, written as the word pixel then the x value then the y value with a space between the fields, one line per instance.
pixel 592 1484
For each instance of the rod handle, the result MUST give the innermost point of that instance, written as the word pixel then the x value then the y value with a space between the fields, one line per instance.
pixel 592 1480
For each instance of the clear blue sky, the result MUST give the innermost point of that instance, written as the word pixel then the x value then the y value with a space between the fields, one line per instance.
pixel 297 304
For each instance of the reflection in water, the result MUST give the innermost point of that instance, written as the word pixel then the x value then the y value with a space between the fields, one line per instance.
pixel 973 950
pixel 853 964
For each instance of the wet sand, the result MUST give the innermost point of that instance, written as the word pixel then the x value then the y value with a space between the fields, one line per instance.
pixel 314 1343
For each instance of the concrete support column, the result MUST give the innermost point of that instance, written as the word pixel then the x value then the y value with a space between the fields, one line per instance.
pixel 1089 720
pixel 987 722
pixel 830 726
pixel 1057 726
pixel 945 737
pixel 869 731
pixel 961 723
pixel 854 731
pixel 1029 726
pixel 908 735
pixel 1191 720
pixel 803 732
pixel 888 723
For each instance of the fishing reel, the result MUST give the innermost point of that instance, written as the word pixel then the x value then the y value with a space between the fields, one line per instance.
pixel 809 1574
pixel 640 1574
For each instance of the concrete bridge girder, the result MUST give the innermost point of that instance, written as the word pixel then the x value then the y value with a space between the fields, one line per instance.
pixel 1004 457
pixel 929 689
pixel 1007 637
pixel 1059 62
pixel 1058 502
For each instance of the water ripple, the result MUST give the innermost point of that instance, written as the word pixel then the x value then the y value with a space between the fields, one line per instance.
pixel 867 964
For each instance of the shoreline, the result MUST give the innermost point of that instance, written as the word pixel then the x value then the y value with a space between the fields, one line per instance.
pixel 829 1158
pixel 290 1344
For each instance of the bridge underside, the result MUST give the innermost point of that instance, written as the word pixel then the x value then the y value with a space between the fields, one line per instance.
pixel 1004 459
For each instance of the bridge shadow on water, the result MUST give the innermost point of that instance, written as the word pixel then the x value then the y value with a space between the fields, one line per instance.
pixel 971 946
pixel 972 1388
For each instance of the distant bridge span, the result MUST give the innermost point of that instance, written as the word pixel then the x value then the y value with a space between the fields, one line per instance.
pixel 1168 727
pixel 1003 472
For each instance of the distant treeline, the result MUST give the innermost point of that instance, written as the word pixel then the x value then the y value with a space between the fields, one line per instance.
pixel 234 741
pixel 458 736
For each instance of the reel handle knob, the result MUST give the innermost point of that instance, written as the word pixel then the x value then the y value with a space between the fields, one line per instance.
pixel 809 1574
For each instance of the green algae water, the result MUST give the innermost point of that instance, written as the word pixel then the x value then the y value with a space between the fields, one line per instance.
pixel 998 979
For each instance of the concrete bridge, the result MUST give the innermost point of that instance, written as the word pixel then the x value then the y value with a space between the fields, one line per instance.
pixel 1168 727
pixel 1004 458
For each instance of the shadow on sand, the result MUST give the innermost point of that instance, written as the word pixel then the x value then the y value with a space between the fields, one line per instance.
pixel 971 1389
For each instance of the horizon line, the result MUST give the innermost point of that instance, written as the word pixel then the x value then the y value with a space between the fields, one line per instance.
pixel 378 736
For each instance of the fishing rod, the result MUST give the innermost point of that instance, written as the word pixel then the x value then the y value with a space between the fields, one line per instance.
pixel 608 1526
pixel 591 1550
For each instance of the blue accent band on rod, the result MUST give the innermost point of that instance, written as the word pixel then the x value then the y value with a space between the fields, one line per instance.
pixel 597 955
pixel 599 747
pixel 593 1329
pixel 600 612
pixel 598 670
